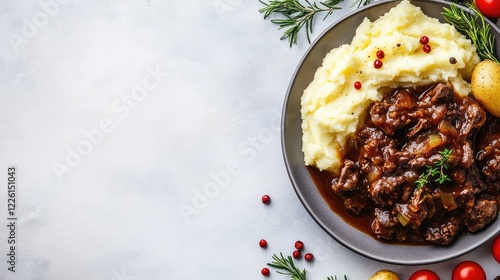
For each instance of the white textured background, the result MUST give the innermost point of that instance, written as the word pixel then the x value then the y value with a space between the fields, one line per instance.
pixel 104 165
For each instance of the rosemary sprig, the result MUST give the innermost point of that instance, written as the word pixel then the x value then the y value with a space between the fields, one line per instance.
pixel 288 267
pixel 360 3
pixel 297 16
pixel 435 171
pixel 472 25
pixel 332 278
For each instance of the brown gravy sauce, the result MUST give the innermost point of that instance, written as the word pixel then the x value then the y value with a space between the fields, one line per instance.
pixel 322 180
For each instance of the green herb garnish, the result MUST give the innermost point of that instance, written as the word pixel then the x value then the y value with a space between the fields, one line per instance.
pixel 288 267
pixel 297 15
pixel 436 171
pixel 472 25
pixel 331 278
pixel 360 3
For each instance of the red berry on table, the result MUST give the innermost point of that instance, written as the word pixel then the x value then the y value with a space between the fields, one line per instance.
pixel 424 40
pixel 266 199
pixel 427 48
pixel 357 85
pixel 263 243
pixel 308 257
pixel 265 271
pixel 296 254
pixel 299 245
pixel 378 64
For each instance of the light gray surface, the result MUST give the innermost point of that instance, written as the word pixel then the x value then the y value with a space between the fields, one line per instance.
pixel 119 115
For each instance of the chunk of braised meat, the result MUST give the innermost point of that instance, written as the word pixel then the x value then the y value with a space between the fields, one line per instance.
pixel 436 95
pixel 408 234
pixel 348 180
pixel 483 213
pixel 392 113
pixel 383 224
pixel 408 189
pixel 443 231
pixel 411 216
pixel 393 157
pixel 385 191
pixel 381 150
pixel 461 195
pixel 493 187
pixel 423 159
pixel 422 125
pixel 476 183
pixel 441 93
pixel 432 108
pixel 489 158
pixel 470 115
pixel 449 201
pixel 375 141
pixel 468 184
pixel 347 187
pixel 488 155
pixel 467 155
pixel 357 203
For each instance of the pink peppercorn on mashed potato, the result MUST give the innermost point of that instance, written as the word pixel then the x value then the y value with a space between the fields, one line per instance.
pixel 333 107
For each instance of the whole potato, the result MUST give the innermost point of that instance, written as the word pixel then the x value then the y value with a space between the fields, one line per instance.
pixel 485 83
pixel 384 274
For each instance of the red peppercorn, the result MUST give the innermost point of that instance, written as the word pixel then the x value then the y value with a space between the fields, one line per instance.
pixel 424 40
pixel 296 254
pixel 357 85
pixel 299 245
pixel 263 243
pixel 380 54
pixel 378 64
pixel 265 271
pixel 308 257
pixel 266 199
pixel 426 48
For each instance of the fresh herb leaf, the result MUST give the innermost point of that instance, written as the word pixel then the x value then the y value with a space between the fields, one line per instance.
pixel 423 179
pixel 360 3
pixel 472 25
pixel 436 171
pixel 287 267
pixel 332 278
pixel 297 16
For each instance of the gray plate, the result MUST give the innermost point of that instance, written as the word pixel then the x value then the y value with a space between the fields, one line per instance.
pixel 337 34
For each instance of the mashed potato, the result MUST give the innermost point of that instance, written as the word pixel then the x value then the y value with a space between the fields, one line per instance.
pixel 332 109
